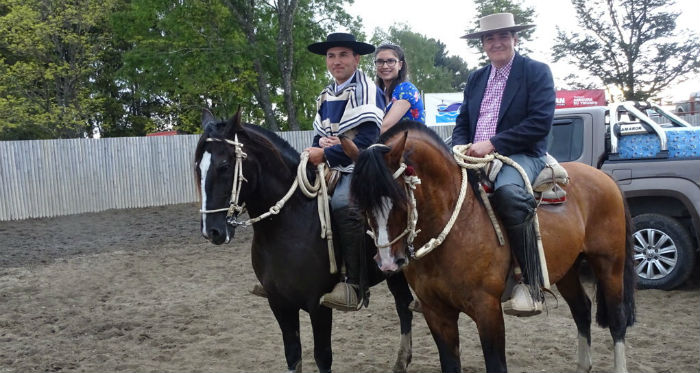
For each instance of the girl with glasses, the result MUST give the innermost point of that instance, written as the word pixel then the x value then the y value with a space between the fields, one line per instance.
pixel 403 98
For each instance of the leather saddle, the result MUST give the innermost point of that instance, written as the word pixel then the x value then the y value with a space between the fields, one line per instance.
pixel 548 185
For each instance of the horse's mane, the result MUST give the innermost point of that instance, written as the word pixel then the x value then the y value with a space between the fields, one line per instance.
pixel 259 138
pixel 372 180
pixel 409 125
pixel 288 154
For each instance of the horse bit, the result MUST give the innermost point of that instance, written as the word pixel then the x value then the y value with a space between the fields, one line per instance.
pixel 234 208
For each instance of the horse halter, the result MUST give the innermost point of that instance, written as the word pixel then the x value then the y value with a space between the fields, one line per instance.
pixel 410 182
pixel 234 208
pixel 316 190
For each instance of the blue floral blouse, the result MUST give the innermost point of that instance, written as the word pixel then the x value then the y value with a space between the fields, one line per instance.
pixel 407 91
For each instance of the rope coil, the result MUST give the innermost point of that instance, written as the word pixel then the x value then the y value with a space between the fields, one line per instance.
pixel 315 190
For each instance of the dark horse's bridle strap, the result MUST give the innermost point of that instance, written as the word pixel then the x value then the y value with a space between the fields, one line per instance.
pixel 316 190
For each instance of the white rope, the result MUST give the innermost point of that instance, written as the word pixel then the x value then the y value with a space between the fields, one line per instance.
pixel 476 163
pixel 301 180
pixel 437 241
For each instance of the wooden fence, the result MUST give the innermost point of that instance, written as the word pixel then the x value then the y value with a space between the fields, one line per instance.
pixel 45 178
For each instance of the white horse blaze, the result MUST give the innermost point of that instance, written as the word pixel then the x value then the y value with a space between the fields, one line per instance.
pixel 203 169
pixel 381 215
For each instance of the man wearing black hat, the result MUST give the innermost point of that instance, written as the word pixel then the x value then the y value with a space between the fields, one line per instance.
pixel 508 108
pixel 353 106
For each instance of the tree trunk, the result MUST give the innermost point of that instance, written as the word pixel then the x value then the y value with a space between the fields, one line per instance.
pixel 244 13
pixel 285 55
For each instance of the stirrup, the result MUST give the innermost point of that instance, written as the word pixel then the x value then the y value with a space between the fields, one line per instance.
pixel 343 297
pixel 521 303
pixel 259 291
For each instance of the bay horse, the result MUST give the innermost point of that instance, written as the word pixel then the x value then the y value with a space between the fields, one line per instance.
pixel 468 271
pixel 289 257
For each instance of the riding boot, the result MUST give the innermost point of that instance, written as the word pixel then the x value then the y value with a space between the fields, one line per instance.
pixel 351 235
pixel 517 210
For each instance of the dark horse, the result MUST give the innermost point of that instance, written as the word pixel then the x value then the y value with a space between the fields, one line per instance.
pixel 289 256
pixel 468 272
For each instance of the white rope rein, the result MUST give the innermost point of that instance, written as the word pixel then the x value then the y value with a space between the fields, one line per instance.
pixel 466 161
pixel 315 190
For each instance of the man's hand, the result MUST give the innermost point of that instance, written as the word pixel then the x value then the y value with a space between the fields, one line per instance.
pixel 480 149
pixel 328 141
pixel 316 155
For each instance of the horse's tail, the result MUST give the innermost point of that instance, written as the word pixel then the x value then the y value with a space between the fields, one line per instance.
pixel 629 279
pixel 372 180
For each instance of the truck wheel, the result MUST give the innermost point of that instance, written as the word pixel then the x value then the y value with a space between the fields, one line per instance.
pixel 663 253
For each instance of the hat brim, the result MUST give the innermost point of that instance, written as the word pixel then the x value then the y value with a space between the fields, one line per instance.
pixel 359 47
pixel 478 35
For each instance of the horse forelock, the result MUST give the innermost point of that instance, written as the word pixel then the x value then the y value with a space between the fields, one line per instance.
pixel 372 180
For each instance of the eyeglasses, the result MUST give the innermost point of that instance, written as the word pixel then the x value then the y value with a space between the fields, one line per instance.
pixel 390 62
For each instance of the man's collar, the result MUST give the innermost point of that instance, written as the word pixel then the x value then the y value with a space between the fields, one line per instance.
pixel 339 87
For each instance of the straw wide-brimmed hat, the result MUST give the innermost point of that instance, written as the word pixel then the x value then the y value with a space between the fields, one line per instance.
pixel 495 23
pixel 341 39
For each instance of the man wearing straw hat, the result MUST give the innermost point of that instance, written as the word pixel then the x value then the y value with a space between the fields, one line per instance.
pixel 508 108
pixel 353 106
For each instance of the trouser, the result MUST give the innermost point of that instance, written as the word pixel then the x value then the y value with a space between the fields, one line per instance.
pixel 349 229
pixel 516 208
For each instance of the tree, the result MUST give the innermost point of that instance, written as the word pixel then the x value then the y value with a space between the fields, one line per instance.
pixel 50 50
pixel 183 56
pixel 522 15
pixel 630 44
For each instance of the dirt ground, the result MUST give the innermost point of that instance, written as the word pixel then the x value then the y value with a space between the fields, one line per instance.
pixel 141 291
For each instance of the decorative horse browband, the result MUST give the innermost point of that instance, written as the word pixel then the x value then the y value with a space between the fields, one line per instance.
pixel 301 181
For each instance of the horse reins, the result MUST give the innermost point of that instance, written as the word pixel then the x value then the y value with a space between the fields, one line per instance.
pixel 410 182
pixel 301 180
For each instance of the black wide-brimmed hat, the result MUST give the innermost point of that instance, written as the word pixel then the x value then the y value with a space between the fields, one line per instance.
pixel 341 39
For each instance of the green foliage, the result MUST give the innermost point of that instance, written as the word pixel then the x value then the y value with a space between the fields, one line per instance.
pixel 630 44
pixel 429 67
pixel 130 67
pixel 183 57
pixel 47 67
pixel 522 15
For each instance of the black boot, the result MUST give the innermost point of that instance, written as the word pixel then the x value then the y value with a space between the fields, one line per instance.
pixel 516 207
pixel 349 229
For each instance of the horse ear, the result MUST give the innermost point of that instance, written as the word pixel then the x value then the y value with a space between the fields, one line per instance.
pixel 393 157
pixel 349 147
pixel 207 118
pixel 234 124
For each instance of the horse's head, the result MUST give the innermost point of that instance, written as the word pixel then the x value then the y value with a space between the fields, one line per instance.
pixel 382 174
pixel 231 164
pixel 215 166
pixel 386 187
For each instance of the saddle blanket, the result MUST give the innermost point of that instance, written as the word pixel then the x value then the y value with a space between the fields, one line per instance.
pixel 682 143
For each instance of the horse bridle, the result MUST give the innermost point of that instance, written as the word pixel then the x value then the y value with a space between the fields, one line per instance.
pixel 410 182
pixel 234 208
pixel 317 189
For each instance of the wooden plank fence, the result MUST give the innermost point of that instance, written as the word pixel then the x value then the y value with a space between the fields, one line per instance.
pixel 45 178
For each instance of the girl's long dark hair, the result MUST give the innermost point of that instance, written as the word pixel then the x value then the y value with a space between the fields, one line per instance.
pixel 403 72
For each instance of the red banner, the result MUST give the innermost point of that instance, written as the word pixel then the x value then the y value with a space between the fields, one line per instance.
pixel 580 97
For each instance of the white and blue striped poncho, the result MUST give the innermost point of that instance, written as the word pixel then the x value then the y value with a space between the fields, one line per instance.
pixel 338 113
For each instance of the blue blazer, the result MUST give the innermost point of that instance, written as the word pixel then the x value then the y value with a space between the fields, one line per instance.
pixel 526 113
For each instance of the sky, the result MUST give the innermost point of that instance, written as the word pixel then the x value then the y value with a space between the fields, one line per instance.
pixel 447 20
